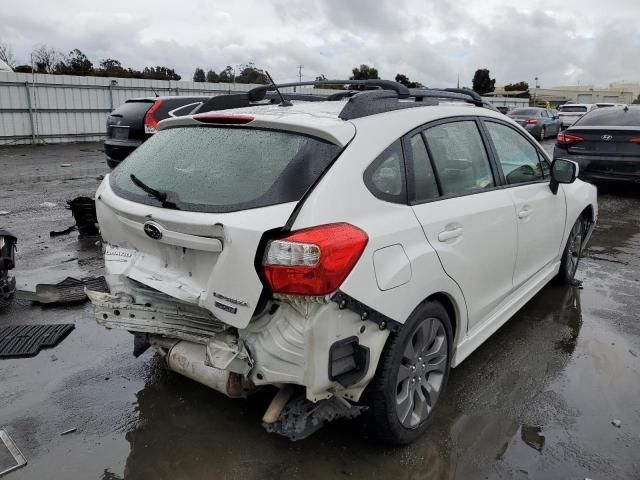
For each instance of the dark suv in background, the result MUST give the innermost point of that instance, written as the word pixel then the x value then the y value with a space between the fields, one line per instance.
pixel 129 125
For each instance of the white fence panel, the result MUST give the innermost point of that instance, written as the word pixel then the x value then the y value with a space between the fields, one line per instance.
pixel 39 108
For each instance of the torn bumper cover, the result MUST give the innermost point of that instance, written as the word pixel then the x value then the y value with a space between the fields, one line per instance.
pixel 314 344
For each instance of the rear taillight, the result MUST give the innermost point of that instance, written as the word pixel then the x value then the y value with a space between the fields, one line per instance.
pixel 150 121
pixel 223 119
pixel 635 140
pixel 567 139
pixel 532 121
pixel 314 261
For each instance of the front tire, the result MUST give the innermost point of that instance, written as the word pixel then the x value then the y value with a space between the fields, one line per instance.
pixel 572 252
pixel 411 376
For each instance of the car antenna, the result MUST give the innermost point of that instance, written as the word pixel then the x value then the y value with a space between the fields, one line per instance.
pixel 155 93
pixel 283 102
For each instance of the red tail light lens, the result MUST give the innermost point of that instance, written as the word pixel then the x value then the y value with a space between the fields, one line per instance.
pixel 314 261
pixel 567 139
pixel 635 140
pixel 150 121
pixel 532 121
pixel 223 119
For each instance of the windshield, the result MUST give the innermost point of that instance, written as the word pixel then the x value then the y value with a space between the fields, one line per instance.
pixel 573 108
pixel 213 169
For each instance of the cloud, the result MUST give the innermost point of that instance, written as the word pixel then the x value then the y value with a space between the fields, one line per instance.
pixel 430 41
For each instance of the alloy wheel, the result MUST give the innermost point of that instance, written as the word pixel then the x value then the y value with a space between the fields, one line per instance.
pixel 421 372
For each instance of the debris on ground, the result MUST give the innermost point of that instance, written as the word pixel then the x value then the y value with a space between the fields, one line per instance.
pixel 28 340
pixel 48 204
pixel 5 212
pixel 616 423
pixel 632 352
pixel 65 164
pixel 7 262
pixel 69 290
pixel 14 451
pixel 67 432
pixel 83 210
pixel 66 231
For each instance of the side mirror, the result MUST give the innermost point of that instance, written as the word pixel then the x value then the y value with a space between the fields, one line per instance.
pixel 562 171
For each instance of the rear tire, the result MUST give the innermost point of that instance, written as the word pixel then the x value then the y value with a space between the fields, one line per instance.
pixel 543 133
pixel 572 253
pixel 411 376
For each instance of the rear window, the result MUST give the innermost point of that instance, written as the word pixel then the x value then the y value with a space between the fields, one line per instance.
pixel 133 109
pixel 214 169
pixel 573 108
pixel 531 112
pixel 611 117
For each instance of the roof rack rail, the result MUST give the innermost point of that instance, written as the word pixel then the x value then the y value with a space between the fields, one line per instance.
pixel 451 93
pixel 258 93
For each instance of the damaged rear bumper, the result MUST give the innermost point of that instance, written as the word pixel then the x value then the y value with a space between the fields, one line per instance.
pixel 312 343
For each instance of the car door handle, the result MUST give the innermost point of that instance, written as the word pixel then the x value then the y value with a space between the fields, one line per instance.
pixel 524 213
pixel 449 234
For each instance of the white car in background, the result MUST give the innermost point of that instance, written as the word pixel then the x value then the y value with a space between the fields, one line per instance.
pixel 347 251
pixel 569 113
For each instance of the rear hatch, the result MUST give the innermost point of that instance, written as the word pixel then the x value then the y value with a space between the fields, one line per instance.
pixel 570 114
pixel 225 187
pixel 126 123
pixel 613 151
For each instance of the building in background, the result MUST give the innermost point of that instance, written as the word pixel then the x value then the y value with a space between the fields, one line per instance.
pixel 616 92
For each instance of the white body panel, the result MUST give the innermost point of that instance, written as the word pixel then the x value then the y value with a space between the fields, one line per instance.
pixel 486 274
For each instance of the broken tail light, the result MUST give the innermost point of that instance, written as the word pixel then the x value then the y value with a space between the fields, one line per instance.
pixel 567 139
pixel 314 261
pixel 150 121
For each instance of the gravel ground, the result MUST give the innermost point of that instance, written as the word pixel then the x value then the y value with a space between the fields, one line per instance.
pixel 537 400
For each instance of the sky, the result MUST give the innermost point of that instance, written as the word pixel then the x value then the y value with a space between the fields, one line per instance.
pixel 561 42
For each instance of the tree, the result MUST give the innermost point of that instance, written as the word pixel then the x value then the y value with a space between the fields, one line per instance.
pixel 404 80
pixel 198 75
pixel 110 67
pixel 6 54
pixel 212 77
pixel 250 74
pixel 226 75
pixel 321 78
pixel 45 59
pixel 482 82
pixel 520 86
pixel 364 72
pixel 76 63
pixel 24 69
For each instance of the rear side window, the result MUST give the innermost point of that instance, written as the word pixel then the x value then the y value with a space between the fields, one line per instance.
pixel 573 108
pixel 611 117
pixel 518 158
pixel 532 112
pixel 385 176
pixel 459 157
pixel 212 169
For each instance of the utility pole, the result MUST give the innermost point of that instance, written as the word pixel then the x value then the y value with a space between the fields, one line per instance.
pixel 299 76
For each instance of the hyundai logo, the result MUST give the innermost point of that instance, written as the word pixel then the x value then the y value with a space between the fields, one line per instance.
pixel 152 230
pixel 606 138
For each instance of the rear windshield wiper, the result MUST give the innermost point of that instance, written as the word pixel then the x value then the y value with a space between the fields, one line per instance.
pixel 161 196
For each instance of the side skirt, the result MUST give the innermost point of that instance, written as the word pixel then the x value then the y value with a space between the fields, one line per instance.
pixel 515 302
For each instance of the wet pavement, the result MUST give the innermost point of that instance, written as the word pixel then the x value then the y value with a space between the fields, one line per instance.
pixel 537 400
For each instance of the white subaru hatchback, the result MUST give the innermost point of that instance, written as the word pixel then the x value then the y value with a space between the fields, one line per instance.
pixel 348 251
